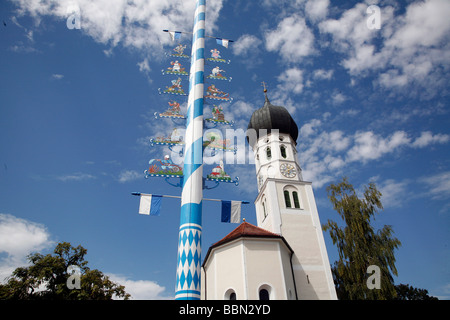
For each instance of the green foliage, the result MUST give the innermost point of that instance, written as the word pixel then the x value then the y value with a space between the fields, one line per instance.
pixel 359 245
pixel 407 292
pixel 46 278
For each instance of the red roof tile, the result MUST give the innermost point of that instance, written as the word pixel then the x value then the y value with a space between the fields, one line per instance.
pixel 246 229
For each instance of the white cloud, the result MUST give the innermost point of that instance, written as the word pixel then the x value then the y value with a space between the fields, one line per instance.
pixel 144 66
pixel 246 44
pixel 408 50
pixel 292 39
pixel 393 193
pixel 370 146
pixel 137 24
pixel 78 176
pixel 18 238
pixel 426 138
pixel 321 74
pixel 338 98
pixel 308 128
pixel 325 155
pixel 141 289
pixel 291 80
pixel 129 175
pixel 57 76
pixel 317 9
pixel 425 24
pixel 438 185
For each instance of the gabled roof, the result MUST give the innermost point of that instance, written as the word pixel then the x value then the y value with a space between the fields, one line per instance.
pixel 246 230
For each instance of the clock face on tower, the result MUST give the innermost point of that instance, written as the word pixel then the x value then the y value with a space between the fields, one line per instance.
pixel 288 170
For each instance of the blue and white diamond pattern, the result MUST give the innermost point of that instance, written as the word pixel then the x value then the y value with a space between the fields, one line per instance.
pixel 189 259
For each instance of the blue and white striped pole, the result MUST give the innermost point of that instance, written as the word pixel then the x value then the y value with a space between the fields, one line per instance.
pixel 189 240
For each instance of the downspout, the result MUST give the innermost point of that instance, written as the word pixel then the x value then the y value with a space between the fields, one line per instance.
pixel 206 287
pixel 293 276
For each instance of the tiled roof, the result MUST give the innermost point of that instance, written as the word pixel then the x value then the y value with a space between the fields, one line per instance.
pixel 246 229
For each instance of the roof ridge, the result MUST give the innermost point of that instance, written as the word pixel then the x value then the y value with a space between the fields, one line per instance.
pixel 246 229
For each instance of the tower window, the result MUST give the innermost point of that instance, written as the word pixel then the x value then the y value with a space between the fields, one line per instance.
pixel 264 209
pixel 268 153
pixel 296 202
pixel 287 199
pixel 264 294
pixel 292 198
pixel 283 151
pixel 233 296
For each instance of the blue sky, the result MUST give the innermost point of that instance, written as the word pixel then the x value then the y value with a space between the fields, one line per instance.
pixel 77 105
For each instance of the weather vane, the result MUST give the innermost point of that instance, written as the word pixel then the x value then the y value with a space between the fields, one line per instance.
pixel 263 84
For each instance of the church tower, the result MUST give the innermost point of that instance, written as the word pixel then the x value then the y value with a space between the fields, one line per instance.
pixel 284 257
pixel 285 204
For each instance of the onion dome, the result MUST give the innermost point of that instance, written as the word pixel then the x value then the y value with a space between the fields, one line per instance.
pixel 273 117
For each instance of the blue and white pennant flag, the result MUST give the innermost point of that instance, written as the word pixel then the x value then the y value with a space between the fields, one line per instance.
pixel 175 35
pixel 231 211
pixel 222 42
pixel 150 204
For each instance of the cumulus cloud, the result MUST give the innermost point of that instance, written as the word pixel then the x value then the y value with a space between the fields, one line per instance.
pixel 325 155
pixel 18 238
pixel 317 9
pixel 136 24
pixel 426 138
pixel 370 146
pixel 292 39
pixel 291 80
pixel 246 44
pixel 141 289
pixel 409 49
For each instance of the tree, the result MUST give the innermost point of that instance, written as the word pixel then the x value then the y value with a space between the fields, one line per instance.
pixel 407 292
pixel 48 278
pixel 359 246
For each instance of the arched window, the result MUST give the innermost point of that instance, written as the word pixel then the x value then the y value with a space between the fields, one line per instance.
pixel 283 151
pixel 230 295
pixel 296 202
pixel 291 197
pixel 287 199
pixel 264 294
pixel 264 209
pixel 268 153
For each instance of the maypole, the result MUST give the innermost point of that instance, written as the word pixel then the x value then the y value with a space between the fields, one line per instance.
pixel 190 232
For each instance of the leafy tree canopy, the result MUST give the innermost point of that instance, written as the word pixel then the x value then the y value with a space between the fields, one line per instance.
pixel 359 244
pixel 50 278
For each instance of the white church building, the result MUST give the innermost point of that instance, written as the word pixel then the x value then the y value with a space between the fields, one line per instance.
pixel 284 257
